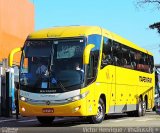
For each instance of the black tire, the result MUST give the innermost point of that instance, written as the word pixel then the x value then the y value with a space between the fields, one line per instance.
pixel 143 108
pixel 100 114
pixel 139 111
pixel 154 108
pixel 45 120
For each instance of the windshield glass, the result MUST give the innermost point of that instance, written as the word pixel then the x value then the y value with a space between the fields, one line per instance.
pixel 52 65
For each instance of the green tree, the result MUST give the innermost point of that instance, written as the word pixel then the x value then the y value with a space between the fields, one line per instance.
pixel 156 3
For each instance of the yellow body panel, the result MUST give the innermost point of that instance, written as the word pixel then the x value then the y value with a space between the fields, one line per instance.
pixel 59 110
pixel 67 31
pixel 88 106
pixel 10 58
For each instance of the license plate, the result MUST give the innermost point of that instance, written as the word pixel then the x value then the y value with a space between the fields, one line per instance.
pixel 47 110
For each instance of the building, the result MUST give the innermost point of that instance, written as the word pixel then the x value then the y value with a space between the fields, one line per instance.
pixel 16 22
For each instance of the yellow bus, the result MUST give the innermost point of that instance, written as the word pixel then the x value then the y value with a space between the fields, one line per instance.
pixel 84 71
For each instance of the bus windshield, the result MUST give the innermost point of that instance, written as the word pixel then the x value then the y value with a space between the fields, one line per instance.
pixel 52 65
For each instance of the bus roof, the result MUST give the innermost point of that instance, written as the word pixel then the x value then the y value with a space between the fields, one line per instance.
pixel 76 31
pixel 66 31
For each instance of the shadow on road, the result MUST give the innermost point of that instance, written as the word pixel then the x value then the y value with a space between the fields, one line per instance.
pixel 73 121
pixel 58 122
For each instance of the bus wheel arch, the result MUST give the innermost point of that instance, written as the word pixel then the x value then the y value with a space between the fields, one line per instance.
pixel 100 111
pixel 140 107
pixel 140 98
pixel 103 97
pixel 146 101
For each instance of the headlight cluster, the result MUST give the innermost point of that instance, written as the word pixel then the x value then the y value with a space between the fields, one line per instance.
pixel 71 99
pixel 24 99
pixel 75 98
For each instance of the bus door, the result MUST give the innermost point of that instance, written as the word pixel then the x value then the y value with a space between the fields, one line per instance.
pixel 116 57
pixel 108 70
pixel 110 76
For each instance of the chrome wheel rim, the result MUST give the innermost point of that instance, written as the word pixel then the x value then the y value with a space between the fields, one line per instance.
pixel 140 108
pixel 100 112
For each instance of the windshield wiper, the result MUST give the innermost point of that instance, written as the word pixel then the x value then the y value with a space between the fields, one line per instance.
pixel 61 85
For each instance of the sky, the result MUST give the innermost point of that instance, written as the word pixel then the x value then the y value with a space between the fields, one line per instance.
pixel 119 16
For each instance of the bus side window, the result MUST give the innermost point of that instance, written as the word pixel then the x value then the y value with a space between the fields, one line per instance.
pixel 106 53
pixel 146 65
pixel 117 54
pixel 91 69
pixel 137 57
pixel 132 57
pixel 151 63
pixel 143 65
pixel 96 40
pixel 126 58
pixel 94 57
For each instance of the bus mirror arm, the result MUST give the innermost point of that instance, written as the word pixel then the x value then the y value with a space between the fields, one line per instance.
pixel 86 54
pixel 12 53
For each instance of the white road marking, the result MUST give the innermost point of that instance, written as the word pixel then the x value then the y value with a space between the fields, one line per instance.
pixel 7 120
pixel 32 120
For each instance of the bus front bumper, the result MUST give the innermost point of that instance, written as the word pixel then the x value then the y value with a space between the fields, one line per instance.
pixel 77 108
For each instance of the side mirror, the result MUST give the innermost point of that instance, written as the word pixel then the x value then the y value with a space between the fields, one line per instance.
pixel 86 54
pixel 10 58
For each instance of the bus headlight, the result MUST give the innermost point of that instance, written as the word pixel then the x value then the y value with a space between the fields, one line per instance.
pixel 23 99
pixel 76 98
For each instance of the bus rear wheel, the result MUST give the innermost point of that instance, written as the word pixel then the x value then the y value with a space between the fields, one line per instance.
pixel 100 114
pixel 45 120
pixel 144 105
pixel 140 110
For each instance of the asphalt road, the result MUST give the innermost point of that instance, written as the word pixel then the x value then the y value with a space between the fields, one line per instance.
pixel 112 123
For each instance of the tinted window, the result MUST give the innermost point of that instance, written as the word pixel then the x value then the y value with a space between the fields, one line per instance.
pixel 132 58
pixel 126 57
pixel 106 52
pixel 94 57
pixel 115 53
pixel 96 40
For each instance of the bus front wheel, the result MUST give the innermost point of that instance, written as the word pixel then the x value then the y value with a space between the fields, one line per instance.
pixel 100 114
pixel 45 120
